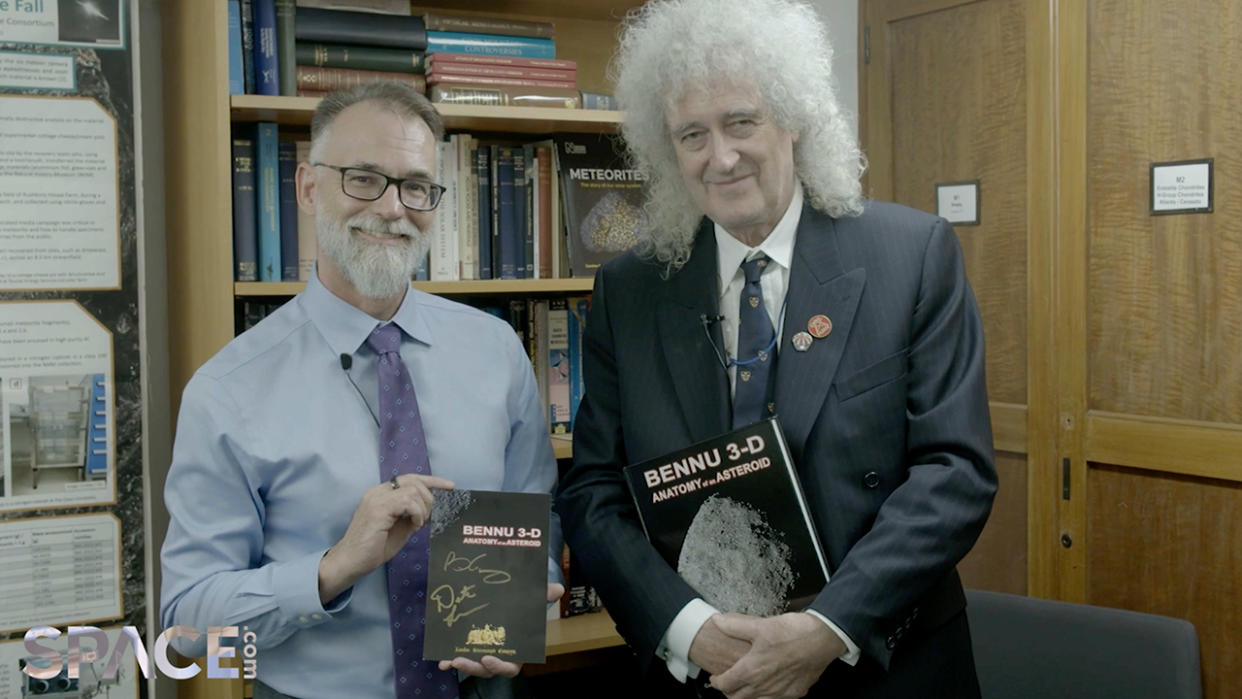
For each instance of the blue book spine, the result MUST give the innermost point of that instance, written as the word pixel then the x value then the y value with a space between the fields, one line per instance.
pixel 490 45
pixel 237 73
pixel 288 157
pixel 266 72
pixel 245 218
pixel 483 168
pixel 267 181
pixel 420 274
pixel 578 310
pixel 520 213
pixel 505 214
pixel 247 45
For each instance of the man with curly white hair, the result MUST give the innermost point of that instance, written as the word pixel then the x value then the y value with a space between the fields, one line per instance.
pixel 765 284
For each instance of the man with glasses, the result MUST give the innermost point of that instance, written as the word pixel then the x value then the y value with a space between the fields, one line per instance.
pixel 307 450
pixel 767 285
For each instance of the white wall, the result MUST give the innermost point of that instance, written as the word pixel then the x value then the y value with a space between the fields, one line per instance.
pixel 841 16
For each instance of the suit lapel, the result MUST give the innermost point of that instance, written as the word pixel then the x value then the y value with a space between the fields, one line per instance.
pixel 698 379
pixel 818 284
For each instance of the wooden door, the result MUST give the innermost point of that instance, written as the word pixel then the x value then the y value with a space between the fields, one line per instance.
pixel 1160 444
pixel 946 100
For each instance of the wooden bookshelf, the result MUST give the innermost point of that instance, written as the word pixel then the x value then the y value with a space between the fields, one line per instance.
pixel 580 633
pixel 199 115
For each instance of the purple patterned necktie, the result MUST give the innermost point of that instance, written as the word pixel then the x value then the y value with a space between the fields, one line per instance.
pixel 403 449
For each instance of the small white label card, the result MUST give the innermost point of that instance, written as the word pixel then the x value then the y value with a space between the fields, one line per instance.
pixel 1182 187
pixel 958 202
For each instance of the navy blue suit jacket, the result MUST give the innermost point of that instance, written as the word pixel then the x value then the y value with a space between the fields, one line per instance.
pixel 887 419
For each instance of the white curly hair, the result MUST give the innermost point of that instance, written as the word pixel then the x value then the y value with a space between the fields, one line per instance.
pixel 669 47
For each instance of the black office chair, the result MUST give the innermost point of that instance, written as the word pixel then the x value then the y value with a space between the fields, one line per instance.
pixel 1027 648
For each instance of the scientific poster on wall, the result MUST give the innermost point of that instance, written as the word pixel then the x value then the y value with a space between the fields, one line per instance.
pixel 93 679
pixel 57 417
pixel 59 571
pixel 70 386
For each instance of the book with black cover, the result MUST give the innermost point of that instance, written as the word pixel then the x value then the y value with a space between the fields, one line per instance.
pixel 488 576
pixel 365 28
pixel 602 197
pixel 728 514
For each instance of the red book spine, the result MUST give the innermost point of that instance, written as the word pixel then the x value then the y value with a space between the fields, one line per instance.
pixel 435 79
pixel 447 69
pixel 550 63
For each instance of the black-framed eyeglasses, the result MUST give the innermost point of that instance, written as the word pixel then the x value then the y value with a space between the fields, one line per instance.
pixel 368 185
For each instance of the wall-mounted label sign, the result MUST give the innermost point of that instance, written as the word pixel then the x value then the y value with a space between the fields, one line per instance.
pixel 958 202
pixel 1182 187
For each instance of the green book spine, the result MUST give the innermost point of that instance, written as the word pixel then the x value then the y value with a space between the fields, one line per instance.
pixel 285 65
pixel 360 57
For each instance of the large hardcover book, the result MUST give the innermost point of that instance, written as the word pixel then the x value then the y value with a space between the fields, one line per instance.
pixel 506 215
pixel 267 186
pixel 367 28
pixel 445 59
pixel 558 366
pixel 308 238
pixel 579 309
pixel 488 575
pixel 489 45
pixel 434 78
pixel 729 515
pixel 440 21
pixel 386 7
pixel 359 57
pixel 237 69
pixel 602 198
pixel 285 62
pixel 247 37
pixel 287 156
pixel 446 70
pixel 266 70
pixel 504 95
pixel 483 172
pixel 329 79
pixel 245 221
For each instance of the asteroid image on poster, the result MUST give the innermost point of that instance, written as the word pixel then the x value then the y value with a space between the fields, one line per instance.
pixel 736 560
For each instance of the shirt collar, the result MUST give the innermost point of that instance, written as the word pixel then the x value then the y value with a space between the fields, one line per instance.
pixel 346 328
pixel 779 245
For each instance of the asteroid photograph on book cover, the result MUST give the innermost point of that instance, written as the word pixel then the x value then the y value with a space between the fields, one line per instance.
pixel 729 515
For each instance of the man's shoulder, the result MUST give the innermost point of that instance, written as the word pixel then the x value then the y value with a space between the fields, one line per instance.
pixel 445 313
pixel 259 344
pixel 887 217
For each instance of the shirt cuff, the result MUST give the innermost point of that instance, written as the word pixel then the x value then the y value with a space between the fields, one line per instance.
pixel 852 651
pixel 297 592
pixel 674 648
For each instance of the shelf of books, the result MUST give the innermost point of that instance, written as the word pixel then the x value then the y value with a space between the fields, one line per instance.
pixel 297 111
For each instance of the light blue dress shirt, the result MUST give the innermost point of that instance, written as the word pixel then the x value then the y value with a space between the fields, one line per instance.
pixel 275 447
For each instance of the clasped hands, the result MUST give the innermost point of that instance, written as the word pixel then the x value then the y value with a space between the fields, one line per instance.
pixel 754 658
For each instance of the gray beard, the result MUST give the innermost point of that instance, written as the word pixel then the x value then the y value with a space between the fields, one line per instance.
pixel 375 271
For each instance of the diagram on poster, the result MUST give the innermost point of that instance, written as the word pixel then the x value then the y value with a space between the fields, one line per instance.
pixel 92 677
pixel 59 570
pixel 59 193
pixel 95 23
pixel 56 407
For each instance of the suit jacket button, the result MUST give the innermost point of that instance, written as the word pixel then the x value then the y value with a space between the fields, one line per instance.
pixel 890 643
pixel 872 479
